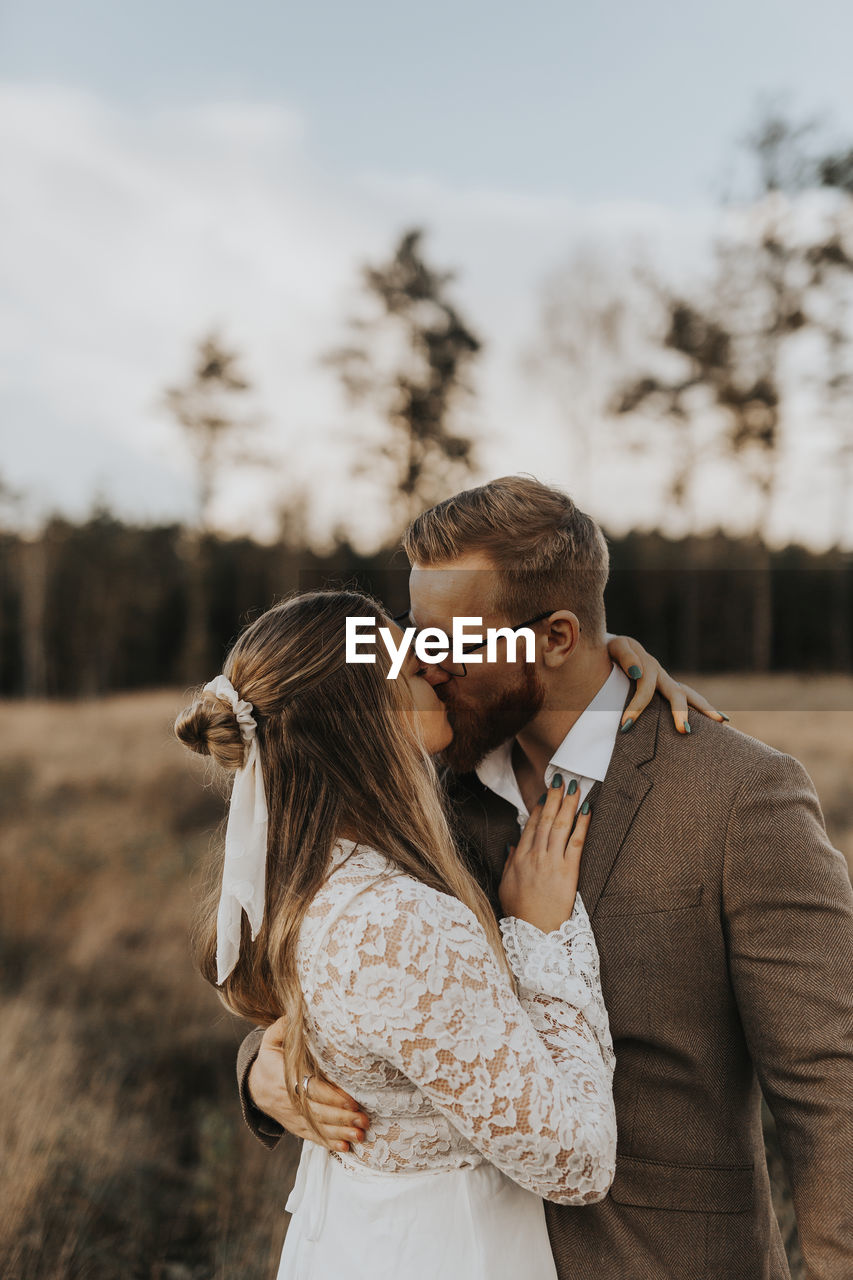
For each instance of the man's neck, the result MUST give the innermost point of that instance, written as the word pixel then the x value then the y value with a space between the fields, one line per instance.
pixel 565 704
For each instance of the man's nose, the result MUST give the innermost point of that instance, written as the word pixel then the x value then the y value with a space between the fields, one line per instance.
pixel 436 675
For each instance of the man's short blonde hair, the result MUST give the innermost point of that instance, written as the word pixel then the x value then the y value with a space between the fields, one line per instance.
pixel 547 553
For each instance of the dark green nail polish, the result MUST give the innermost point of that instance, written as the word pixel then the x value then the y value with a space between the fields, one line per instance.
pixel 507 849
pixel 627 725
pixel 557 780
pixel 635 672
pixel 542 797
pixel 573 786
pixel 585 808
pixel 687 728
pixel 725 717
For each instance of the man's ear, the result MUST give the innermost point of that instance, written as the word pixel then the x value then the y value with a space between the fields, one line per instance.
pixel 562 637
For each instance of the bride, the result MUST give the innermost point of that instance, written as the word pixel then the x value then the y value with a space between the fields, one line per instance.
pixel 480 1049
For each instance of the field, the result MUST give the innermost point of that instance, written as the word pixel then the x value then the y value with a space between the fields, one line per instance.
pixel 124 1152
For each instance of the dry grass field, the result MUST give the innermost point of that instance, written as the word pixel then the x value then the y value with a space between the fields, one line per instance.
pixel 124 1152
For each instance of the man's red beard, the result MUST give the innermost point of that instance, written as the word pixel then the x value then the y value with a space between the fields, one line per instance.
pixel 479 728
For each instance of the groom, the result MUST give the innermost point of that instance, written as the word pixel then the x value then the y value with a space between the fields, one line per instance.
pixel 723 916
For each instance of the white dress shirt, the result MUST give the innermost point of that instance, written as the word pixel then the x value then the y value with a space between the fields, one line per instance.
pixel 584 754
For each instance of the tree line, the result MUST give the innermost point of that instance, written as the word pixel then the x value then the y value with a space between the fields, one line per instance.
pixel 101 606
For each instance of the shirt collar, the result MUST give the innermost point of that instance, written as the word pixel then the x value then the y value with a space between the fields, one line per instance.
pixel 588 746
pixel 584 752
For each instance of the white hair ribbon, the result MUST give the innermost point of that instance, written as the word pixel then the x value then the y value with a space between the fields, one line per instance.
pixel 244 871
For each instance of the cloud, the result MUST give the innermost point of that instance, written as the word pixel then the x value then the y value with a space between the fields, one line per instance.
pixel 125 237
pixel 123 241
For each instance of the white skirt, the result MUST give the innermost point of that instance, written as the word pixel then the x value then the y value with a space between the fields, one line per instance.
pixel 456 1224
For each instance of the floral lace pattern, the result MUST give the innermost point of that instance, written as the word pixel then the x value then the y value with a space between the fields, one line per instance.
pixel 561 964
pixel 410 1011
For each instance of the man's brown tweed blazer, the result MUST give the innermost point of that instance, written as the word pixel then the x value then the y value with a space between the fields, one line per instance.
pixel 724 922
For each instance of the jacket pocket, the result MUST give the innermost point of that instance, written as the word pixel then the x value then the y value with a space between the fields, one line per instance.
pixel 627 902
pixel 652 1184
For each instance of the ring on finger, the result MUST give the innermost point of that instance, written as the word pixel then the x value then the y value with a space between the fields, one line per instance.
pixel 304 1087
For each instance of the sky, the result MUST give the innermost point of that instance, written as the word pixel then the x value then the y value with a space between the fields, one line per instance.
pixel 169 168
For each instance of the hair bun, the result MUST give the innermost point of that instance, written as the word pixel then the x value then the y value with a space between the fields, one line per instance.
pixel 210 728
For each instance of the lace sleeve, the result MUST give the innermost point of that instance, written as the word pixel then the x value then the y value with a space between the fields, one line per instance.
pixel 561 966
pixel 415 979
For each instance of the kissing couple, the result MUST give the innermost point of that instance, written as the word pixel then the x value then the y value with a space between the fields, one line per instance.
pixel 526 943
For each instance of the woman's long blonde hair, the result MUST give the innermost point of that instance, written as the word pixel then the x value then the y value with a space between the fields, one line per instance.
pixel 339 754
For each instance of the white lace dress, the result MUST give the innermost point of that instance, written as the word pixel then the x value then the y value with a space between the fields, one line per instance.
pixel 480 1101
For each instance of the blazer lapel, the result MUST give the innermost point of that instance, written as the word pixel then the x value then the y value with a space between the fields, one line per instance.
pixel 486 822
pixel 615 801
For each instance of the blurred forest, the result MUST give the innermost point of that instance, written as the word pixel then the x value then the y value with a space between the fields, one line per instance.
pixel 103 606
pixel 124 1151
